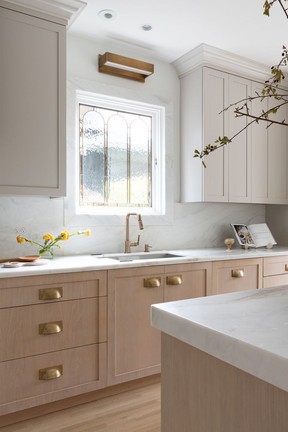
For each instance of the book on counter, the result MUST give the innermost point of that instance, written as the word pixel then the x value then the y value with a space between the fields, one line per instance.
pixel 255 235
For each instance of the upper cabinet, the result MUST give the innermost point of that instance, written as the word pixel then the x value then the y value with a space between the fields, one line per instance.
pixel 251 169
pixel 33 97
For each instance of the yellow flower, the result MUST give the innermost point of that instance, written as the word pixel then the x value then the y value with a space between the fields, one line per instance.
pixel 87 232
pixel 21 239
pixel 48 237
pixel 64 235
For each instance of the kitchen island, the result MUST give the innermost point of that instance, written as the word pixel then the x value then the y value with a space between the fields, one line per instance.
pixel 225 362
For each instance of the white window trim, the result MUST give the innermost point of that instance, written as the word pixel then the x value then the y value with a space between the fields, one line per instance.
pixel 158 153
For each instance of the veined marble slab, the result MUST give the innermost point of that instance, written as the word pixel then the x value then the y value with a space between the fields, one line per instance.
pixel 248 329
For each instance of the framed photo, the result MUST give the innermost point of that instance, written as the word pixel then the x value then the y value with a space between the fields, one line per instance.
pixel 243 235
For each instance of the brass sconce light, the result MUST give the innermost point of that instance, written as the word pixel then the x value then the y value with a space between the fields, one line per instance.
pixel 125 67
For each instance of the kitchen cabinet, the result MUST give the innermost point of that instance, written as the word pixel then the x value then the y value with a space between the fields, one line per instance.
pixel 253 167
pixel 205 93
pixel 133 345
pixel 32 103
pixel 275 271
pixel 53 337
pixel 236 275
pixel 269 155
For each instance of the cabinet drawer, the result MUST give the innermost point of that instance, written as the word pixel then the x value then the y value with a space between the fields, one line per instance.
pixel 275 266
pixel 20 378
pixel 238 275
pixel 38 329
pixel 48 289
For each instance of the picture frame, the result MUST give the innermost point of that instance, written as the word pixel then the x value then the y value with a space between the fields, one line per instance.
pixel 243 235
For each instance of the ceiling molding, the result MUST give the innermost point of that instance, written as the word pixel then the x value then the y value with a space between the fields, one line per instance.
pixel 66 10
pixel 207 55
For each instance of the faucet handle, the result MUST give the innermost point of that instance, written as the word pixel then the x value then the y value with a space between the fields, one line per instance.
pixel 147 247
pixel 136 243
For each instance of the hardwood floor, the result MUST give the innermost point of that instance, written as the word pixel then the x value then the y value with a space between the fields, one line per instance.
pixel 132 411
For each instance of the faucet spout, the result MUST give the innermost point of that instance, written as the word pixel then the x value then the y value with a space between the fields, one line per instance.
pixel 128 243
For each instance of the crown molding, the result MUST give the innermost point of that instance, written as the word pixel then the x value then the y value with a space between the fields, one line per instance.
pixel 65 10
pixel 207 55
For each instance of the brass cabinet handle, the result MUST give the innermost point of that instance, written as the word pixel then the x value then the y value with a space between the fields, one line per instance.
pixel 286 267
pixel 152 282
pixel 174 280
pixel 238 273
pixel 50 373
pixel 50 328
pixel 50 293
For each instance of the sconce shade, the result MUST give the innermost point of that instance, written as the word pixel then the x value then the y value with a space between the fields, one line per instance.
pixel 125 67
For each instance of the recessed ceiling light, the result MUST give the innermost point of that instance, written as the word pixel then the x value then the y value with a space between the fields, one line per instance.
pixel 146 27
pixel 107 15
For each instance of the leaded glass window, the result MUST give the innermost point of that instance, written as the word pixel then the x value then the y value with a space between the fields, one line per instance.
pixel 115 157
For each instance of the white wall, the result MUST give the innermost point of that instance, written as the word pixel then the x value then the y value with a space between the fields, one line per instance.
pixel 187 225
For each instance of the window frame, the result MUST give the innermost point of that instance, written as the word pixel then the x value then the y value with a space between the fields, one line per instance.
pixel 158 153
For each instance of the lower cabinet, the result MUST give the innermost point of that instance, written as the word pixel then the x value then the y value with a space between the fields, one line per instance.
pixel 133 344
pixel 53 338
pixel 236 275
pixel 275 271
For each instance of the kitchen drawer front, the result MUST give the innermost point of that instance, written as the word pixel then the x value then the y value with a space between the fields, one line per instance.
pixel 40 289
pixel 38 329
pixel 80 369
pixel 275 266
pixel 273 281
pixel 236 275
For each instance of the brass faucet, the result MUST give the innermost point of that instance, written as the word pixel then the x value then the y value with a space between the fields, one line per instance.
pixel 128 243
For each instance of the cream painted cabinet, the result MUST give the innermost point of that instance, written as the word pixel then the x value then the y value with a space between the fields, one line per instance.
pixel 53 338
pixel 269 155
pixel 205 93
pixel 133 344
pixel 236 275
pixel 32 104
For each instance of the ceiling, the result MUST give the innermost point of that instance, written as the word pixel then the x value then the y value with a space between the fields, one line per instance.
pixel 178 26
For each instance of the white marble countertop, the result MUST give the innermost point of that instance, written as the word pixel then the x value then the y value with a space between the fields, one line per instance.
pixel 248 329
pixel 74 263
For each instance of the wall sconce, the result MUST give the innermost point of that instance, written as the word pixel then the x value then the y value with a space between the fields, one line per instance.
pixel 125 67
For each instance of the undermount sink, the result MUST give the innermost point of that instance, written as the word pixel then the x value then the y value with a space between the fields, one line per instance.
pixel 143 256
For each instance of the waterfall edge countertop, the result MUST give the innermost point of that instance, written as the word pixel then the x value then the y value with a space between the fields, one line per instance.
pixel 74 263
pixel 248 330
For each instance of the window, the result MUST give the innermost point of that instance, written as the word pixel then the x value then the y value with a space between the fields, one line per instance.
pixel 120 160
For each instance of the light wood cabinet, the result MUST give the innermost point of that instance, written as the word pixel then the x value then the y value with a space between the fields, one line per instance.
pixel 33 104
pixel 133 344
pixel 236 275
pixel 275 271
pixel 53 338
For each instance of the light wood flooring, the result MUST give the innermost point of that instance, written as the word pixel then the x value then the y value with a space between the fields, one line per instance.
pixel 132 411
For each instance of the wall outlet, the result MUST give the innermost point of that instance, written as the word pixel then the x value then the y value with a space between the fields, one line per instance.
pixel 20 231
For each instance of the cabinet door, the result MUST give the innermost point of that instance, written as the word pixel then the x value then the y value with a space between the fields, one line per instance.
pixel 240 149
pixel 236 275
pixel 215 99
pixel 269 155
pixel 133 344
pixel 185 281
pixel 32 105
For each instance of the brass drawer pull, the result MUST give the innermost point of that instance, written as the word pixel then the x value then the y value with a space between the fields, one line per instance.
pixel 50 293
pixel 238 273
pixel 152 282
pixel 286 267
pixel 50 328
pixel 174 280
pixel 50 373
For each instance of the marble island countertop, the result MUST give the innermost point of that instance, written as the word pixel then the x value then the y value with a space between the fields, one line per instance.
pixel 73 263
pixel 246 329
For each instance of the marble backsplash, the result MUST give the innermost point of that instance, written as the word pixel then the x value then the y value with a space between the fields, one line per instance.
pixel 197 225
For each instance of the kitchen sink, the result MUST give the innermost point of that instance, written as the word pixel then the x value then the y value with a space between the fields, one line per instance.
pixel 143 256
